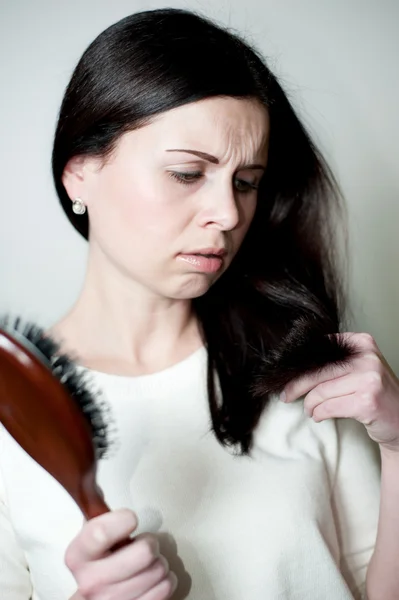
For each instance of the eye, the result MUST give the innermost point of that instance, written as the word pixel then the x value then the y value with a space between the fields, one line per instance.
pixel 244 186
pixel 185 178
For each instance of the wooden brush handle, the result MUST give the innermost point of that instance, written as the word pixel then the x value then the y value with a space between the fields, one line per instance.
pixel 93 505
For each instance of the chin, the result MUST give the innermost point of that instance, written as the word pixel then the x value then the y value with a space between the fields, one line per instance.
pixel 194 288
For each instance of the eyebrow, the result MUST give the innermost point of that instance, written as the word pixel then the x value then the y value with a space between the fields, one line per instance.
pixel 210 158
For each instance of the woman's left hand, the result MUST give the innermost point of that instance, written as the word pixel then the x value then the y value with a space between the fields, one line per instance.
pixel 365 389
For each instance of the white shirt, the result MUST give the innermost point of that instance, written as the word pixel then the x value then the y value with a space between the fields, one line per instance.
pixel 295 521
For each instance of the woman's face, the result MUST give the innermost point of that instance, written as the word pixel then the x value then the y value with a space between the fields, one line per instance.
pixel 171 207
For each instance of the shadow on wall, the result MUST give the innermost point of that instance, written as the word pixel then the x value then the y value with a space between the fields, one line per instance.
pixel 375 264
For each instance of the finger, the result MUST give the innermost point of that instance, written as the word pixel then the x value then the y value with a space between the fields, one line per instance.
pixel 364 346
pixel 368 360
pixel 151 577
pixel 346 407
pixel 299 387
pixel 129 589
pixel 361 341
pixel 163 590
pixel 98 536
pixel 342 386
pixel 123 564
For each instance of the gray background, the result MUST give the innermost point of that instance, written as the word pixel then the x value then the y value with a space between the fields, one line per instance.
pixel 338 60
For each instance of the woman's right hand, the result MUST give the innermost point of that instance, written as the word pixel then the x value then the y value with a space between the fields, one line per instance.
pixel 134 572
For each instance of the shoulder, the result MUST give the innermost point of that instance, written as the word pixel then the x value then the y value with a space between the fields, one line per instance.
pixel 285 429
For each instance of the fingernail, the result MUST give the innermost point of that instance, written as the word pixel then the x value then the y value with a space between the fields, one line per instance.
pixel 283 397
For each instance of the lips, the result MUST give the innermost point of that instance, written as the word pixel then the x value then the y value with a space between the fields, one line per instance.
pixel 209 252
pixel 206 260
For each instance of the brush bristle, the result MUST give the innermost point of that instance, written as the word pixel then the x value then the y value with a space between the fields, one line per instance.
pixel 77 384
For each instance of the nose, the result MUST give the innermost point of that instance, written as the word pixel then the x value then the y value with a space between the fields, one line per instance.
pixel 220 209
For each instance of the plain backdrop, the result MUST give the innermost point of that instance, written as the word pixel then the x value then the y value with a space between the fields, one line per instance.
pixel 337 59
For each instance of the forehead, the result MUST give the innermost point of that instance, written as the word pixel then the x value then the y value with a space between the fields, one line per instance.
pixel 223 126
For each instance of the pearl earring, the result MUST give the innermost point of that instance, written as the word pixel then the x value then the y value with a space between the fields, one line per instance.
pixel 78 207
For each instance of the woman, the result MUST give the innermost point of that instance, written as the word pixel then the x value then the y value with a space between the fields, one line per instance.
pixel 208 214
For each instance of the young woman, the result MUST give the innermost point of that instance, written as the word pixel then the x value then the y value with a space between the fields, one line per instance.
pixel 208 213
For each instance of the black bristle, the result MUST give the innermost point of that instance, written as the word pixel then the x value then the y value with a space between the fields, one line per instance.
pixel 77 384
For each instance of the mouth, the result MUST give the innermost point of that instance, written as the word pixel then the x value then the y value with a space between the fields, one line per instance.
pixel 207 255
pixel 209 260
pixel 209 252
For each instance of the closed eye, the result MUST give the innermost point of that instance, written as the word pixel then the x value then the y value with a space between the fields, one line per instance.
pixel 244 187
pixel 185 178
pixel 190 177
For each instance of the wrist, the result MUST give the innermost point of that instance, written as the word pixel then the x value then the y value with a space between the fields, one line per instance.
pixel 389 455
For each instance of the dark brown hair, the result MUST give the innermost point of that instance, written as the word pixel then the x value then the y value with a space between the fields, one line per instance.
pixel 268 318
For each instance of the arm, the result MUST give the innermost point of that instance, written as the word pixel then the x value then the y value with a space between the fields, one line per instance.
pixel 355 500
pixel 367 390
pixel 383 572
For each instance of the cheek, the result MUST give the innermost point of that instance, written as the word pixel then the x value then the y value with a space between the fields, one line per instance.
pixel 133 213
pixel 247 213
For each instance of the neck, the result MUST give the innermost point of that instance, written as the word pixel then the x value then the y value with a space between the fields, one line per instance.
pixel 121 327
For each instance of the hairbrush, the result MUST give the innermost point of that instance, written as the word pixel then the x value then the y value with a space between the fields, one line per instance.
pixel 47 406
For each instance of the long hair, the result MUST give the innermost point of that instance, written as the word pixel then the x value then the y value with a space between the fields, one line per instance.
pixel 268 318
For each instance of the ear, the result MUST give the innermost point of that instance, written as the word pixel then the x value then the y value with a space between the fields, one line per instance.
pixel 75 177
